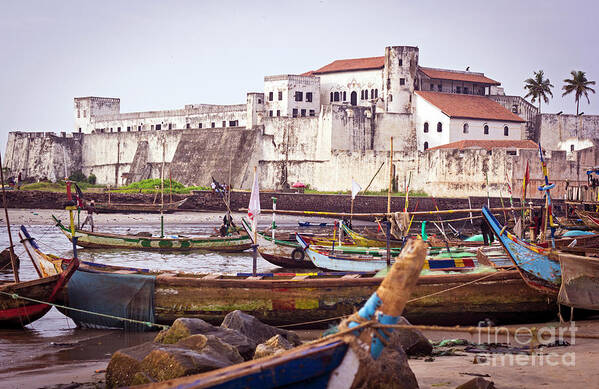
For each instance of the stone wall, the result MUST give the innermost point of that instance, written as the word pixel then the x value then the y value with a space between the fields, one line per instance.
pixel 557 128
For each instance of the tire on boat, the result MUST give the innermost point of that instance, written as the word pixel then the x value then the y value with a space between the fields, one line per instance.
pixel 298 254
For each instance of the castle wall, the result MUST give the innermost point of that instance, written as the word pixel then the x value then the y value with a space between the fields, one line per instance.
pixel 558 128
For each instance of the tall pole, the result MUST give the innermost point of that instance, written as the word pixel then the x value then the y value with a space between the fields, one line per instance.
pixel 390 177
pixel 162 192
pixel 274 225
pixel 255 245
pixel 13 260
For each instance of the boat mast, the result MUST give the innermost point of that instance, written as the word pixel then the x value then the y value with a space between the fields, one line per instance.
pixel 13 261
pixel 162 192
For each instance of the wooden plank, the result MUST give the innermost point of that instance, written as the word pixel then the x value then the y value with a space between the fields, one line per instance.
pixel 299 278
pixel 351 276
pixel 212 277
pixel 254 278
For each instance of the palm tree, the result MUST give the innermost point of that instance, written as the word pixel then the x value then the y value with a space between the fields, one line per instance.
pixel 538 88
pixel 579 84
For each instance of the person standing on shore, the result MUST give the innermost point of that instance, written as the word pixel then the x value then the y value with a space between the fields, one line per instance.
pixel 90 208
pixel 19 181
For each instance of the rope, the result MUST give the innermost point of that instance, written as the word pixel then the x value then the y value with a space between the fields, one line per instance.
pixel 146 323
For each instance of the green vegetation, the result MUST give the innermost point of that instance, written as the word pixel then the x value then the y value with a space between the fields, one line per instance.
pixel 580 85
pixel 80 178
pixel 538 88
pixel 60 186
pixel 153 186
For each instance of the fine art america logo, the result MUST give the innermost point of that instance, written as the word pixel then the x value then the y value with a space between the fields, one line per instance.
pixel 527 346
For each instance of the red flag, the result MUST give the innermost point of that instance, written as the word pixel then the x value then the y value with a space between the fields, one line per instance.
pixel 525 181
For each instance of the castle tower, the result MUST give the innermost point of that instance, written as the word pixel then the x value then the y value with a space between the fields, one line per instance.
pixel 399 74
pixel 255 109
pixel 87 107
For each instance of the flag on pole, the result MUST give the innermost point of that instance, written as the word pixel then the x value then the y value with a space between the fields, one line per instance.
pixel 254 206
pixel 355 189
pixel 525 181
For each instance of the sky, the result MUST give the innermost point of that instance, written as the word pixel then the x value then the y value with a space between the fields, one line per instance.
pixel 164 54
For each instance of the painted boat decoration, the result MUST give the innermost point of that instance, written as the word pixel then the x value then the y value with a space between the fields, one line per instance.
pixel 329 362
pixel 18 312
pixel 138 207
pixel 365 241
pixel 536 267
pixel 88 239
pixel 371 259
pixel 580 281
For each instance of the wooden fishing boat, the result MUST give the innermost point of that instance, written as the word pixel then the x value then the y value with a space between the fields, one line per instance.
pixel 233 243
pixel 291 298
pixel 580 281
pixel 590 219
pixel 371 259
pixel 537 268
pixel 24 302
pixel 138 207
pixel 331 361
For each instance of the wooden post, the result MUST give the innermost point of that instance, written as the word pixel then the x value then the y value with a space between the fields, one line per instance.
pixel 274 212
pixel 13 260
pixel 351 210
pixel 390 177
pixel 388 228
pixel 162 191
pixel 170 182
pixel 255 245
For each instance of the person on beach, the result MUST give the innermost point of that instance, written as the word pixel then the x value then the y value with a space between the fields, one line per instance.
pixel 19 181
pixel 485 230
pixel 90 208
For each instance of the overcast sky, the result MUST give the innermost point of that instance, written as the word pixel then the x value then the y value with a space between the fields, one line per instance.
pixel 165 54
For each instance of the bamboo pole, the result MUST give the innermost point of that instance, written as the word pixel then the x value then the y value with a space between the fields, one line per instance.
pixel 390 187
pixel 13 260
pixel 170 182
pixel 383 214
pixel 162 192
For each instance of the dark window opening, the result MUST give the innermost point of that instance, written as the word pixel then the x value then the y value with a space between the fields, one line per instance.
pixel 118 129
pixel 331 99
pixel 506 131
pixel 372 93
pixel 402 81
pixel 110 129
pixel 294 112
pixel 278 112
pixel 439 127
pixel 362 95
pixel 440 88
pixel 299 96
pixel 158 126
pixel 432 87
pixel 170 126
pixel 511 152
pixel 353 98
pixel 425 146
pixel 458 89
pixel 309 97
pixel 303 112
pixel 571 147
pixel 366 94
pixel 515 108
pixel 270 113
pixel 344 96
pixel 426 127
pixel 280 96
pixel 376 93
pixel 79 129
pixel 465 90
pixel 336 96
pixel 259 101
pixel 390 98
pixel 199 125
pixel 213 124
pixel 270 96
pixel 400 62
pixel 233 123
pixel 187 125
pixel 224 123
pixel 486 130
pixel 138 128
pixel 128 128
pixel 312 113
pixel 466 128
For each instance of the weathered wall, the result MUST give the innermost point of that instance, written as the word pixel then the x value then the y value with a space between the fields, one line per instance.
pixel 558 128
pixel 42 155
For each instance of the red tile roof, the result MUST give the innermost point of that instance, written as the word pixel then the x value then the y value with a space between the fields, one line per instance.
pixel 346 65
pixel 308 73
pixel 469 106
pixel 458 76
pixel 488 144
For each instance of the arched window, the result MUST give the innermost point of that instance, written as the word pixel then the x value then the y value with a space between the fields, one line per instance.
pixel 376 93
pixel 425 146
pixel 344 96
pixel 425 126
pixel 571 147
pixel 362 94
pixel 366 94
pixel 336 96
pixel 506 131
pixel 465 128
pixel 331 99
pixel 486 130
pixel 439 127
pixel 372 96
pixel 390 97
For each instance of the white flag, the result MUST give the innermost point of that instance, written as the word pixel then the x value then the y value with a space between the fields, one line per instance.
pixel 355 189
pixel 254 206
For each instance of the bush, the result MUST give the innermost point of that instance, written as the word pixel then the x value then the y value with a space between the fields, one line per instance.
pixel 78 176
pixel 92 179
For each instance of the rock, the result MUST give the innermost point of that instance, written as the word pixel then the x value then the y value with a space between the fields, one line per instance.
pixel 412 341
pixel 185 327
pixel 212 345
pixel 141 378
pixel 255 329
pixel 477 383
pixel 126 363
pixel 391 370
pixel 275 345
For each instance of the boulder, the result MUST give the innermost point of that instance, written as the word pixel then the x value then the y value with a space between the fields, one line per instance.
pixel 185 327
pixel 126 363
pixel 255 329
pixel 275 345
pixel 411 340
pixel 477 383
pixel 172 361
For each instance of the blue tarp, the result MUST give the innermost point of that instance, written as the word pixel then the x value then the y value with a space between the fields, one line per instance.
pixel 122 295
pixel 578 233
